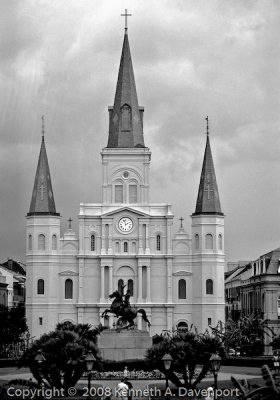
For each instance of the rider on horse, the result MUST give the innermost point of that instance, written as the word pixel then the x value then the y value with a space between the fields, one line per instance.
pixel 122 309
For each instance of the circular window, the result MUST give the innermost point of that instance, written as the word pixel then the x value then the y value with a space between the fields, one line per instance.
pixel 125 174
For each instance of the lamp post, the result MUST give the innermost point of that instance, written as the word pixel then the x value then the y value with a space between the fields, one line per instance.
pixel 276 363
pixel 89 364
pixel 39 359
pixel 215 361
pixel 167 361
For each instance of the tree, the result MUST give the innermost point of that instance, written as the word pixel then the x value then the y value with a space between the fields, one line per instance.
pixel 64 350
pixel 13 324
pixel 188 350
pixel 247 333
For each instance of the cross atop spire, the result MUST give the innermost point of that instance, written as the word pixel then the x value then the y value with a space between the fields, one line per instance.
pixel 43 125
pixel 125 15
pixel 207 125
pixel 69 223
pixel 181 219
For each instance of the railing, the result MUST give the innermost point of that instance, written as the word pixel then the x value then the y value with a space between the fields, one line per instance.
pixel 14 350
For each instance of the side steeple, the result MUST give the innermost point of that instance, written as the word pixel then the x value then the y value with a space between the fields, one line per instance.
pixel 42 201
pixel 126 117
pixel 208 200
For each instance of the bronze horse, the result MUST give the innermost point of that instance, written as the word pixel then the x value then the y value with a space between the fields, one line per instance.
pixel 124 311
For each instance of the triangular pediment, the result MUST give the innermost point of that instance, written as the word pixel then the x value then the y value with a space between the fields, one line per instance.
pixel 125 209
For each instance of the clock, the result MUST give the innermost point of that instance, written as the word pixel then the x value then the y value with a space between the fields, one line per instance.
pixel 125 224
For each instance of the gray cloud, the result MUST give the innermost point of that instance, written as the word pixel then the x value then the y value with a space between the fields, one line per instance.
pixel 191 59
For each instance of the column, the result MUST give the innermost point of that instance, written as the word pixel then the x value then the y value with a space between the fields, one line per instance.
pixel 148 284
pixel 81 280
pixel 147 250
pixel 102 285
pixel 80 315
pixel 110 244
pixel 139 284
pixel 169 319
pixel 105 182
pixel 169 280
pixel 140 228
pixel 110 279
pixel 82 237
pixel 103 251
pixel 169 237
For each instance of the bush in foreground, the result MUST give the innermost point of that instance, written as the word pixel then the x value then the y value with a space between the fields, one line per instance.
pixel 64 351
pixel 191 353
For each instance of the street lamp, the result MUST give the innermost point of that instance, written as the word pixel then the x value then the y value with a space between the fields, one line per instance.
pixel 89 364
pixel 276 358
pixel 39 359
pixel 167 361
pixel 215 361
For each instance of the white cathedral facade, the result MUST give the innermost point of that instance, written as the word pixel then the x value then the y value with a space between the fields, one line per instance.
pixel 178 279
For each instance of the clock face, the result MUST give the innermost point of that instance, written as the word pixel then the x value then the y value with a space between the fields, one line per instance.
pixel 125 224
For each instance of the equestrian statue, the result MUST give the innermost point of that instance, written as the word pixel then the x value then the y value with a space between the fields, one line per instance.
pixel 122 309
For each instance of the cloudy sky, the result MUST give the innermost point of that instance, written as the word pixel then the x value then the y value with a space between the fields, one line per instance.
pixel 191 58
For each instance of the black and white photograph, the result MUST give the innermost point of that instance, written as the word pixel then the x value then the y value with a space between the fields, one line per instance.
pixel 139 199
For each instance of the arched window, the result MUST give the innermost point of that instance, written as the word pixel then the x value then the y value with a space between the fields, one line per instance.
pixel 182 326
pixel 130 286
pixel 220 240
pixel 68 289
pixel 120 285
pixel 29 242
pixel 182 289
pixel 125 247
pixel 196 241
pixel 41 242
pixel 117 247
pixel 133 247
pixel 54 242
pixel 92 243
pixel 209 241
pixel 209 286
pixel 132 193
pixel 158 242
pixel 118 193
pixel 40 286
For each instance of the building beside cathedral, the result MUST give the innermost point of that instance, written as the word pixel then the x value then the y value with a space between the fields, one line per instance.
pixel 178 279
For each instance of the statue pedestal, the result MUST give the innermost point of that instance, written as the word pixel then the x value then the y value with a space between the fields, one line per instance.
pixel 124 345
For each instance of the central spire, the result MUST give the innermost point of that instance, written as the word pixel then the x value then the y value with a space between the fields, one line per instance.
pixel 126 117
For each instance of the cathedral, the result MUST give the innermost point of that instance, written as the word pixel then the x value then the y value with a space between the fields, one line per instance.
pixel 178 279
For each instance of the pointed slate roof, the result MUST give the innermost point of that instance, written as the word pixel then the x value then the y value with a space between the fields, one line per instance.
pixel 42 201
pixel 208 201
pixel 126 117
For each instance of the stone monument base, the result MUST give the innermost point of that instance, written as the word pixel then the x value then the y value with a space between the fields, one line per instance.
pixel 124 345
